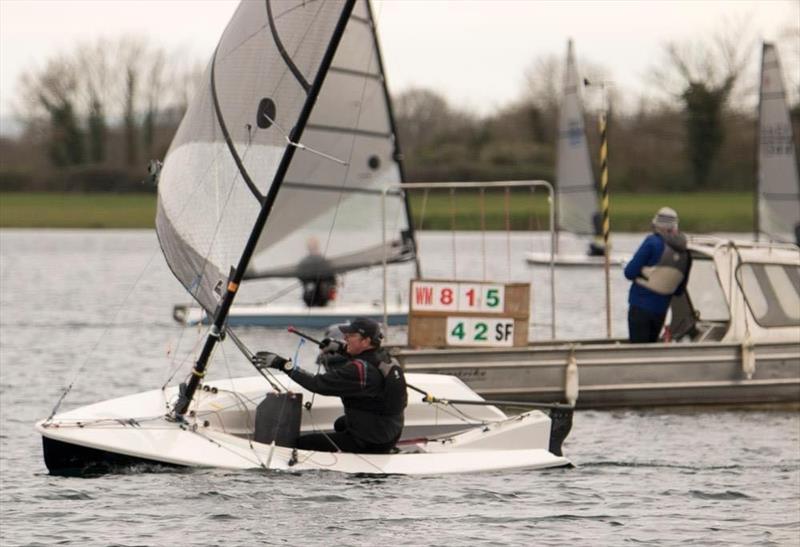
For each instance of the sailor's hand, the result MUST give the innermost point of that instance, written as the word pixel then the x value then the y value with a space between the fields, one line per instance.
pixel 266 359
pixel 331 346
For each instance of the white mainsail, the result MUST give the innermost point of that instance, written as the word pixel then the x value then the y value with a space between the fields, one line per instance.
pixel 576 190
pixel 223 160
pixel 778 184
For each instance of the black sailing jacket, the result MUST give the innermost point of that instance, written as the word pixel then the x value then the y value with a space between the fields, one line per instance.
pixel 360 384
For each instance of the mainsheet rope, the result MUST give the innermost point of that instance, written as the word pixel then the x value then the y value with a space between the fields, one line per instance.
pixel 77 369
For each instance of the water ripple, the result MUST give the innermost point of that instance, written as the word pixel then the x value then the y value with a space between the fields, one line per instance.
pixel 648 477
pixel 727 495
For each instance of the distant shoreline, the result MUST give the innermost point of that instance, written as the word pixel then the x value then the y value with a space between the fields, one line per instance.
pixel 699 212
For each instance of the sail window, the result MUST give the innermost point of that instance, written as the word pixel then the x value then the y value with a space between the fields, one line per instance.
pixel 266 113
pixel 772 292
pixel 707 296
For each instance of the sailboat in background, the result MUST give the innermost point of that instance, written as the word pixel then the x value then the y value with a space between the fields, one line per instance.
pixel 576 188
pixel 227 205
pixel 778 184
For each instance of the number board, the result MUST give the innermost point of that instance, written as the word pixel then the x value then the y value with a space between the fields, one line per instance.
pixel 442 296
pixel 480 331
pixel 445 313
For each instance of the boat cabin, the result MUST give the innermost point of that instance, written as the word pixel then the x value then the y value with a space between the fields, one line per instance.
pixel 739 291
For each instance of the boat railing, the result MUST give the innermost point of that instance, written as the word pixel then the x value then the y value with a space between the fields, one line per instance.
pixel 532 184
pixel 716 242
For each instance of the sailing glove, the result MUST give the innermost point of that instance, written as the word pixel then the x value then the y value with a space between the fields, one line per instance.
pixel 266 359
pixel 331 346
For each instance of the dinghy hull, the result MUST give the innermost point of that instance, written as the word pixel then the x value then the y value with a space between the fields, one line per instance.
pixel 219 433
pixel 69 459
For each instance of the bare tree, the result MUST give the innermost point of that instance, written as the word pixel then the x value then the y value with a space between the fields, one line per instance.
pixel 544 80
pixel 153 89
pixel 425 118
pixel 53 92
pixel 545 88
pixel 94 64
pixel 106 102
pixel 702 75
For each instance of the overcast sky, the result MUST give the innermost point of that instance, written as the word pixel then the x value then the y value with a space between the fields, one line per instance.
pixel 474 52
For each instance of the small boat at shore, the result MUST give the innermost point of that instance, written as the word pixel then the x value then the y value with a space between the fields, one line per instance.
pixel 733 339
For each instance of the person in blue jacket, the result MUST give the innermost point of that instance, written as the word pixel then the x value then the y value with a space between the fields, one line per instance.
pixel 658 270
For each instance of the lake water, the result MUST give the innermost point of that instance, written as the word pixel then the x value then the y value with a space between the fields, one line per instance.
pixel 93 308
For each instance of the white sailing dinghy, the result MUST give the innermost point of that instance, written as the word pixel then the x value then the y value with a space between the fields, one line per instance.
pixel 576 189
pixel 778 184
pixel 225 192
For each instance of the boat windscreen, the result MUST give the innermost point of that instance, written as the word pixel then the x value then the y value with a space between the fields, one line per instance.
pixel 705 291
pixel 772 292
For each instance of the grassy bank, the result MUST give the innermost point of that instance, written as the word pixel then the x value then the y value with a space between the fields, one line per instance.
pixel 701 212
pixel 73 210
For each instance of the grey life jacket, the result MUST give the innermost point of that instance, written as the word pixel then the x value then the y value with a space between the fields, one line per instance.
pixel 669 272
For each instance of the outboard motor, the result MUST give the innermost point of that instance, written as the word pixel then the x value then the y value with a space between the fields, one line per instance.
pixel 278 419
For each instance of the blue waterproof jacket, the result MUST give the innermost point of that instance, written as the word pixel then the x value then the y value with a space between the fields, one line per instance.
pixel 649 254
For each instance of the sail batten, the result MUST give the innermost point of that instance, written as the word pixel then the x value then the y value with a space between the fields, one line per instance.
pixel 350 130
pixel 393 253
pixel 337 190
pixel 778 184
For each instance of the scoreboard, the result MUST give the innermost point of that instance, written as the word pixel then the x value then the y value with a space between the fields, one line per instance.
pixel 468 314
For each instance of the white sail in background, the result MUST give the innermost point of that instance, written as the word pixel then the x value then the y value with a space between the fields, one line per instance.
pixel 778 184
pixel 226 153
pixel 575 183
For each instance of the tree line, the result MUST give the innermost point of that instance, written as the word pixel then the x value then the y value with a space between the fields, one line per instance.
pixel 93 117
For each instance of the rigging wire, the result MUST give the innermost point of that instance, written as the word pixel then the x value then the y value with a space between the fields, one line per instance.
pixel 422 212
pixel 483 230
pixel 507 208
pixel 453 229
pixel 175 368
pixel 347 164
pixel 268 375
pixel 77 369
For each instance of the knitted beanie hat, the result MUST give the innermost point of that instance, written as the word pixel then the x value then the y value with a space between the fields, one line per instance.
pixel 666 219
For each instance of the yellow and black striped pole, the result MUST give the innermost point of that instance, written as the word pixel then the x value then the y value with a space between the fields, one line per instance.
pixel 603 121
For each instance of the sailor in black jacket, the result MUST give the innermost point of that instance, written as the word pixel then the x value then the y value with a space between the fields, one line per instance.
pixel 371 385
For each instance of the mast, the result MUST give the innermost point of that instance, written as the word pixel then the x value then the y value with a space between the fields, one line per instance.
pixel 215 334
pixel 398 154
pixel 756 150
